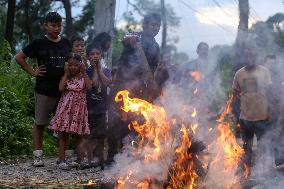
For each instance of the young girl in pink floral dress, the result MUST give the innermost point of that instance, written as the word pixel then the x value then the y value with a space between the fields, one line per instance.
pixel 71 115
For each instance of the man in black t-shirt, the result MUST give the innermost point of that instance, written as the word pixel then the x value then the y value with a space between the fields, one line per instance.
pixel 139 59
pixel 50 52
pixel 137 65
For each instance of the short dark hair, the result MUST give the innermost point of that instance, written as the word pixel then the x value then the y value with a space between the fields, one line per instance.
pixel 75 38
pixel 202 43
pixel 102 39
pixel 151 16
pixel 53 17
pixel 93 46
pixel 73 56
pixel 269 56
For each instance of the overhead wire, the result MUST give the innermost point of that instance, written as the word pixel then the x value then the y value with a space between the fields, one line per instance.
pixel 220 7
pixel 211 20
pixel 253 14
pixel 117 12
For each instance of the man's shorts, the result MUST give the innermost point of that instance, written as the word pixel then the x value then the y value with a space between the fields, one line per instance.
pixel 45 106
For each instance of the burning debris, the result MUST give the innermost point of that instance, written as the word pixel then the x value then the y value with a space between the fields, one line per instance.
pixel 165 152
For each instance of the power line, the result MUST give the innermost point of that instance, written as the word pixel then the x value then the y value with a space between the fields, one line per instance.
pixel 117 13
pixel 256 14
pixel 220 7
pixel 253 14
pixel 213 21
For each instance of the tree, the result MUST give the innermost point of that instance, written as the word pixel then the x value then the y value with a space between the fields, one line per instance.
pixel 2 19
pixel 10 20
pixel 170 20
pixel 70 31
pixel 269 35
pixel 104 20
pixel 164 27
pixel 104 16
pixel 28 23
pixel 27 30
pixel 143 7
pixel 275 21
pixel 242 31
pixel 85 23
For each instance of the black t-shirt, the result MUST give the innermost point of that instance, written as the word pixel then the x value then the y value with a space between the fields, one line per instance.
pixel 52 55
pixel 152 51
pixel 97 96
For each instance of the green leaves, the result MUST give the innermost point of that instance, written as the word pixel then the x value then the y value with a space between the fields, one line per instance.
pixel 15 125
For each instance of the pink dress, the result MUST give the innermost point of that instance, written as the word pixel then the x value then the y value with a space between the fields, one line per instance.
pixel 71 113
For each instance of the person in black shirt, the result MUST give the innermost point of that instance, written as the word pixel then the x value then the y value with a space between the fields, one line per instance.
pixel 136 69
pixel 50 52
pixel 97 104
pixel 140 58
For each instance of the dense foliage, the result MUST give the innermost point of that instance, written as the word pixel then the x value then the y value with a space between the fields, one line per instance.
pixel 16 108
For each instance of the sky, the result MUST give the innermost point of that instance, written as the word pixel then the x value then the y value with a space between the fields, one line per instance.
pixel 211 21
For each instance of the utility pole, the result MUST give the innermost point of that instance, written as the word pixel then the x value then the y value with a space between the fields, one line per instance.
pixel 164 27
pixel 104 21
pixel 242 34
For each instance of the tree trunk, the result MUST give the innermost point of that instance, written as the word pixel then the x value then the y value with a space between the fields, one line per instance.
pixel 28 22
pixel 10 21
pixel 164 27
pixel 104 20
pixel 70 31
pixel 104 16
pixel 242 31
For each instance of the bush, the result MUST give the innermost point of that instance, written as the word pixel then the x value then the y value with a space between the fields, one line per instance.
pixel 17 108
pixel 15 126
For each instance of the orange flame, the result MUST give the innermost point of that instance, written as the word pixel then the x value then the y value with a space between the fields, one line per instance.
pixel 90 182
pixel 227 152
pixel 233 151
pixel 194 127
pixel 246 171
pixel 196 75
pixel 183 174
pixel 155 132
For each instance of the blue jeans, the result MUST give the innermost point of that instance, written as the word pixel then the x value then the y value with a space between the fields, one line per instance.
pixel 248 129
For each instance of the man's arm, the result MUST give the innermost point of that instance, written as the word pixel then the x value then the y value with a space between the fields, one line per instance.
pixel 21 60
pixel 236 88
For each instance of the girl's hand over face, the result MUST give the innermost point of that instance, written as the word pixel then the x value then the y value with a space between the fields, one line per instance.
pixel 82 68
pixel 99 67
pixel 66 69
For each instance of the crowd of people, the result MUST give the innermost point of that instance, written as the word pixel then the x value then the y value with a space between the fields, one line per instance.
pixel 75 90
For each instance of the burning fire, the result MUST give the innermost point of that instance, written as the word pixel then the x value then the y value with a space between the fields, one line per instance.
pixel 183 174
pixel 154 134
pixel 158 142
pixel 226 153
pixel 153 131
pixel 196 75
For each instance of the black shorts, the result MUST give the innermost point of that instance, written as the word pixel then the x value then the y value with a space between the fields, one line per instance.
pixel 97 125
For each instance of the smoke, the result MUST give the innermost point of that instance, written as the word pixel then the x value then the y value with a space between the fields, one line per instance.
pixel 182 95
pixel 181 98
